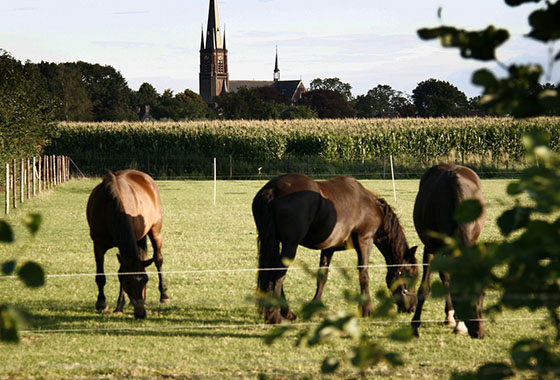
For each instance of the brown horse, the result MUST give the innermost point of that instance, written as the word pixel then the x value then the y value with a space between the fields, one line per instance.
pixel 121 211
pixel 442 189
pixel 332 215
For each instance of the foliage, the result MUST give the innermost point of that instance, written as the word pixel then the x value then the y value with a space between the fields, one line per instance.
pixel 329 104
pixel 436 98
pixel 298 112
pixel 333 84
pixel 250 104
pixel 26 111
pixel 383 101
pixel 528 254
pixel 30 273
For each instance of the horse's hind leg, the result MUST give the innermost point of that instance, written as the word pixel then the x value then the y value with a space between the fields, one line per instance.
pixel 323 274
pixel 101 304
pixel 287 256
pixel 155 238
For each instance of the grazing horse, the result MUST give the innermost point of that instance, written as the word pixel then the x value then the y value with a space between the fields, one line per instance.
pixel 442 189
pixel 332 215
pixel 121 211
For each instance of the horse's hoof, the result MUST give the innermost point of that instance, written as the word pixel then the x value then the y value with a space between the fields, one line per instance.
pixel 290 316
pixel 165 300
pixel 117 311
pixel 101 308
pixel 460 328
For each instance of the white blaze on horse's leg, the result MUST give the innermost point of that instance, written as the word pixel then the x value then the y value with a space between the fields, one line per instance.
pixel 460 328
pixel 7 210
pixel 393 178
pixel 451 318
pixel 214 181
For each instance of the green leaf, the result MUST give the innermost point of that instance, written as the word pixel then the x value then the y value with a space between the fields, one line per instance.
pixel 33 222
pixel 395 359
pixel 32 274
pixel 514 3
pixel 8 267
pixel 438 289
pixel 468 211
pixel 545 24
pixel 6 232
pixel 330 365
pixel 494 371
pixel 514 219
pixel 8 325
pixel 403 334
pixel 311 308
pixel 484 77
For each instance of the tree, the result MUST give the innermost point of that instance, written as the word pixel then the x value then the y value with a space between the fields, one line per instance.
pixel 64 82
pixel 26 109
pixel 383 100
pixel 108 91
pixel 333 84
pixel 146 95
pixel 298 112
pixel 328 104
pixel 191 106
pixel 436 98
pixel 246 103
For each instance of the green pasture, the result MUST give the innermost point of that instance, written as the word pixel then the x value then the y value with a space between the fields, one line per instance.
pixel 211 328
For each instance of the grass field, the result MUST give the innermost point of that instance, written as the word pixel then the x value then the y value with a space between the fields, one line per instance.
pixel 211 328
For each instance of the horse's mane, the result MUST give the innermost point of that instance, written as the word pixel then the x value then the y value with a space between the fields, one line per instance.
pixel 111 186
pixel 392 230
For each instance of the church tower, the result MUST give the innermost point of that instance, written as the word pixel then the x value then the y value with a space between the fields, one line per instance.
pixel 276 69
pixel 213 77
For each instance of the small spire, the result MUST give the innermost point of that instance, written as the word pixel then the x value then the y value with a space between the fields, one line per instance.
pixel 201 37
pixel 276 69
pixel 224 47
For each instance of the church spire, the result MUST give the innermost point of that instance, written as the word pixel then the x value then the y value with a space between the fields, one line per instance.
pixel 276 69
pixel 213 37
pixel 202 38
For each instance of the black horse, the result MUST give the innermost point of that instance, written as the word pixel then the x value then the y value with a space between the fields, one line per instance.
pixel 121 211
pixel 332 215
pixel 442 189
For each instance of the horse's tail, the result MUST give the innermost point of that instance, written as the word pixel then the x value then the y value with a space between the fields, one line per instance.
pixel 121 227
pixel 267 241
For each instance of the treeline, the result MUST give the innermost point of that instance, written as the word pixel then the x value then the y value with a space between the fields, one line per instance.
pixel 81 91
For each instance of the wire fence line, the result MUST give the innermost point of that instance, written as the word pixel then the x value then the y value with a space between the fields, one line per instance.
pixel 211 271
pixel 264 325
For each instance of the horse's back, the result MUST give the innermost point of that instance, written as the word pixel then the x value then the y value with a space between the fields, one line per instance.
pixel 129 191
pixel 442 189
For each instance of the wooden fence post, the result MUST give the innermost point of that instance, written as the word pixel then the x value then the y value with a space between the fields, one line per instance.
pixel 14 182
pixel 7 208
pixel 29 178
pixel 34 174
pixel 21 180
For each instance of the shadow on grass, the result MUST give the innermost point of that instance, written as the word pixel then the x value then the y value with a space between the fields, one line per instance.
pixel 162 321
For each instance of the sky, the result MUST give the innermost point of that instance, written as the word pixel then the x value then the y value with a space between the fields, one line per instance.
pixel 363 42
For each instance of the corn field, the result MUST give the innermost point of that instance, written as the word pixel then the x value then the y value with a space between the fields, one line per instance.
pixel 353 146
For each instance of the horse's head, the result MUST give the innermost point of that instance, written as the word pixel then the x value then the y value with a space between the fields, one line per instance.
pixel 469 310
pixel 133 279
pixel 402 277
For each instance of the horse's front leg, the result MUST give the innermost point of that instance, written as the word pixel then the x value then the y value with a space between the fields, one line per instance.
pixel 100 280
pixel 323 273
pixel 363 249
pixel 287 255
pixel 120 299
pixel 423 291
pixel 155 238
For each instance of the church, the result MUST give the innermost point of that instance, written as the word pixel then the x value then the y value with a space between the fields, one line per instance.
pixel 214 76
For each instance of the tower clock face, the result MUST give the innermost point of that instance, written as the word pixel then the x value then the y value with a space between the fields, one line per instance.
pixel 220 58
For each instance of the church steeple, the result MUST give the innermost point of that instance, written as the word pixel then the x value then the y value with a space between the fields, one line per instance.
pixel 276 69
pixel 213 77
pixel 213 37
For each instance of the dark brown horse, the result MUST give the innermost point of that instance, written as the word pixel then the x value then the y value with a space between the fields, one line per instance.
pixel 121 212
pixel 442 189
pixel 332 215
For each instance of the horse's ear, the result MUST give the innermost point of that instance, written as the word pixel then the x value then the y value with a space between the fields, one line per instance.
pixel 121 259
pixel 148 262
pixel 412 250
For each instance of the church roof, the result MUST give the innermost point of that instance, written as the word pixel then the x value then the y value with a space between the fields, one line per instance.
pixel 235 85
pixel 287 87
